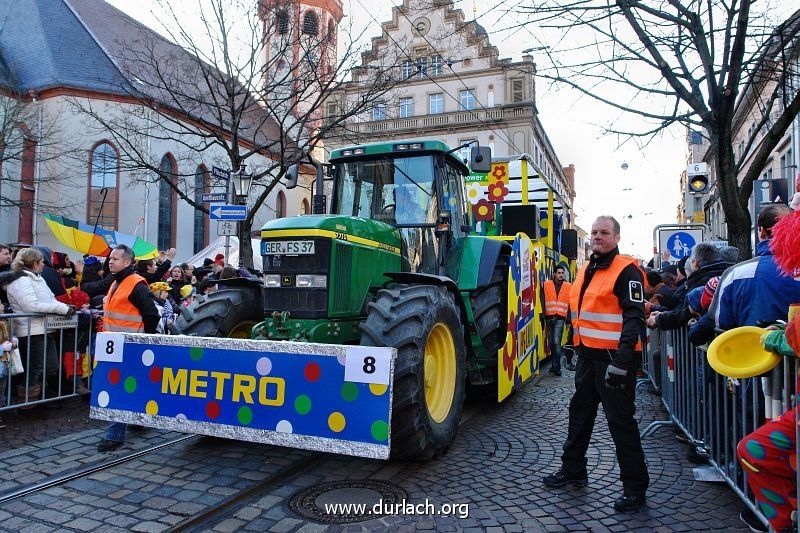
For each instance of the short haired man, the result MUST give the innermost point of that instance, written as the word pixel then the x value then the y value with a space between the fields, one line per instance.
pixel 556 311
pixel 128 307
pixel 607 307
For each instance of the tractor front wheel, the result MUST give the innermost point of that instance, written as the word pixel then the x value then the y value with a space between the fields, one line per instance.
pixel 424 323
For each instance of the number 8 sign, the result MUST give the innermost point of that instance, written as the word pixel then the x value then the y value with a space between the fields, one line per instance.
pixel 109 347
pixel 367 364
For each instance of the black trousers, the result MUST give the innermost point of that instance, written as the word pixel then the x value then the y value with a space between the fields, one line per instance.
pixel 618 405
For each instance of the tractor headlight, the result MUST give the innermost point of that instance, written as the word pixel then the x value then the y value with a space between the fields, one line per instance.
pixel 272 280
pixel 311 280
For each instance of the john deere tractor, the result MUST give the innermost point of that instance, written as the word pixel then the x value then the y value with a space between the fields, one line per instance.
pixel 393 264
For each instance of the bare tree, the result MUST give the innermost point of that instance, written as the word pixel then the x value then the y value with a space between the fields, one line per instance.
pixel 687 62
pixel 226 88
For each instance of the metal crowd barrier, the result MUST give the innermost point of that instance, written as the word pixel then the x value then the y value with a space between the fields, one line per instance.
pixel 714 411
pixel 50 351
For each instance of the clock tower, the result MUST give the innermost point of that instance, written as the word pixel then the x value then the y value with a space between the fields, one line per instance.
pixel 300 52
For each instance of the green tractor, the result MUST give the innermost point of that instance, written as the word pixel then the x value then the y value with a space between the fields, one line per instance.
pixel 393 264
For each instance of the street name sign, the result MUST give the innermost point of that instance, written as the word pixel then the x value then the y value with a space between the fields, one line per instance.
pixel 228 212
pixel 221 173
pixel 215 197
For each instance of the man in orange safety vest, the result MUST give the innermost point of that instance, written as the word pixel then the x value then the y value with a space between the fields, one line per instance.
pixel 556 313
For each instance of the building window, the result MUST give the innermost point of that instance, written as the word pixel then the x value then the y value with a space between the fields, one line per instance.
pixel 407 69
pixel 517 91
pixel 406 107
pixel 436 66
pixel 104 168
pixel 331 32
pixel 467 99
pixel 280 205
pixel 767 175
pixel 422 67
pixel 379 111
pixel 200 229
pixel 436 103
pixel 466 151
pixel 166 203
pixel 787 165
pixel 310 23
pixel 282 21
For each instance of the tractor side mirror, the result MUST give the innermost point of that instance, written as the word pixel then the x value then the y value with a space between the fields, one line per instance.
pixel 291 176
pixel 480 159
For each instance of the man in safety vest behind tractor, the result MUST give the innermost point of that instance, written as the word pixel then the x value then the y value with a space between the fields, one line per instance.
pixel 556 311
pixel 607 306
pixel 128 308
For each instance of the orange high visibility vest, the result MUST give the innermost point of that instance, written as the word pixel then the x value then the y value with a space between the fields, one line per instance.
pixel 119 314
pixel 598 322
pixel 556 305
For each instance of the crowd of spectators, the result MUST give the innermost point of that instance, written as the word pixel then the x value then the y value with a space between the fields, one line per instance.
pixel 36 280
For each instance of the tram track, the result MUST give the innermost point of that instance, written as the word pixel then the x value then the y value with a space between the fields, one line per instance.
pixel 88 470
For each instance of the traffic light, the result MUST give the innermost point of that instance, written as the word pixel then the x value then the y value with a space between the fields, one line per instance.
pixel 698 184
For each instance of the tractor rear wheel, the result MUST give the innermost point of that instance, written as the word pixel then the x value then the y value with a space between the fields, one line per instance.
pixel 488 307
pixel 227 313
pixel 424 323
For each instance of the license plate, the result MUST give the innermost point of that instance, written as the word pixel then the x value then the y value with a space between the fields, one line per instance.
pixel 287 247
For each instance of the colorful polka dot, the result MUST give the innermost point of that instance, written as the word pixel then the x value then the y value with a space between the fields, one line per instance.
pixel 284 426
pixel 181 416
pixel 302 404
pixel 349 391
pixel 377 389
pixel 196 353
pixel 773 496
pixel 245 415
pixel 103 399
pixel 155 374
pixel 130 384
pixel 312 372
pixel 264 366
pixel 114 376
pixel 336 422
pixel 755 449
pixel 780 440
pixel 769 511
pixel 151 408
pixel 212 410
pixel 379 430
pixel 148 357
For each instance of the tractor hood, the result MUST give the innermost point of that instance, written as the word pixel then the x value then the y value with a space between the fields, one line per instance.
pixel 352 229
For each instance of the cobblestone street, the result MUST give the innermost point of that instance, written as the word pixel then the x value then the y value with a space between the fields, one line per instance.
pixel 494 466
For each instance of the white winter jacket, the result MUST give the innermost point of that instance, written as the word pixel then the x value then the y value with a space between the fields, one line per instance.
pixel 29 293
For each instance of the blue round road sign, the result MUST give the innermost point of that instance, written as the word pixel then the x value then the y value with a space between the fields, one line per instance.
pixel 680 244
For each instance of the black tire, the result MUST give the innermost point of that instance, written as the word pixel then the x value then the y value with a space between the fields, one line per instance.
pixel 489 308
pixel 403 317
pixel 221 313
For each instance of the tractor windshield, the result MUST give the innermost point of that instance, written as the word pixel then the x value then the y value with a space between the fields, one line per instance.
pixel 393 190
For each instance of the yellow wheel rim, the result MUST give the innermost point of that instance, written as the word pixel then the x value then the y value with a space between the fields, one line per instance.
pixel 440 372
pixel 242 330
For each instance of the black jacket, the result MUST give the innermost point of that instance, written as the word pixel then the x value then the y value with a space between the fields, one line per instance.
pixel 3 295
pixel 142 299
pixel 632 304
pixel 680 316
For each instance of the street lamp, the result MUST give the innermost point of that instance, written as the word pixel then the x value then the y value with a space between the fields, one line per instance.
pixel 535 49
pixel 245 180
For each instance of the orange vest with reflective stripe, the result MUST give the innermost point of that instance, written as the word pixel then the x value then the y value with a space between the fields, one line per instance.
pixel 598 322
pixel 119 314
pixel 556 304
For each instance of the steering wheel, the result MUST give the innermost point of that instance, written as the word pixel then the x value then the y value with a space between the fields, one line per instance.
pixel 385 208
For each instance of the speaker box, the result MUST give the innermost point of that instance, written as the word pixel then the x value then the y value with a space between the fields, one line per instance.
pixel 569 243
pixel 521 218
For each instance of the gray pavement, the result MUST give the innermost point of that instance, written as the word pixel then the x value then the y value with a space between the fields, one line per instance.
pixel 495 467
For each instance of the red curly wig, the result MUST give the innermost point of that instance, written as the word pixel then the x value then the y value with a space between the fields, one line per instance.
pixel 785 244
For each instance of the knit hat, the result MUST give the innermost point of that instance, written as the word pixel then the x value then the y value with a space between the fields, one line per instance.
pixel 220 260
pixel 159 286
pixel 207 261
pixel 693 297
pixel 186 291
pixel 91 260
pixel 708 292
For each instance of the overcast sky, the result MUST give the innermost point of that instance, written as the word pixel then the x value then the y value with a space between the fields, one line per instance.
pixel 640 197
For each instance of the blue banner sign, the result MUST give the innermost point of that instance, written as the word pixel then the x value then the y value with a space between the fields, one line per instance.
pixel 321 397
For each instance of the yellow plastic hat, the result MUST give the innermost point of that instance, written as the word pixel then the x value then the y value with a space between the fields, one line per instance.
pixel 186 291
pixel 739 353
pixel 159 286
